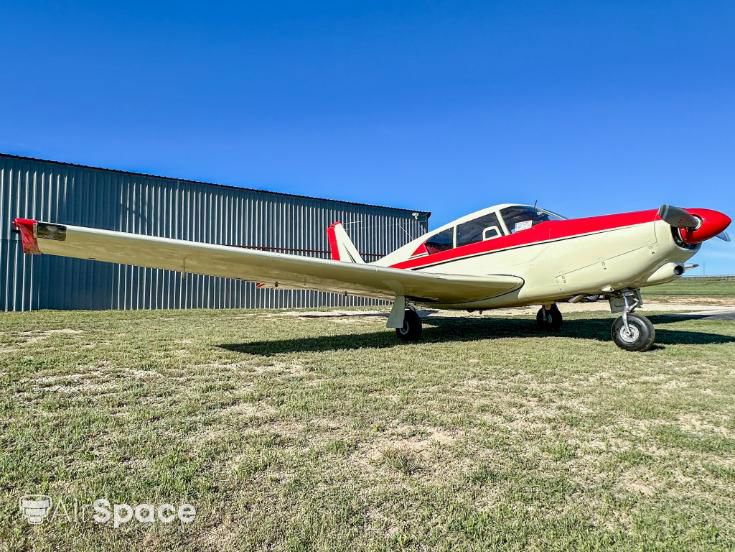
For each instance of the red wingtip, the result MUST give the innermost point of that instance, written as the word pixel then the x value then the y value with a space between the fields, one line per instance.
pixel 27 229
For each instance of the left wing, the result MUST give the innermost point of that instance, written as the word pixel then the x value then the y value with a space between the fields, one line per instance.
pixel 276 269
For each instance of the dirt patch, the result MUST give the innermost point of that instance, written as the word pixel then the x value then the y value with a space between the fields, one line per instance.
pixel 285 368
pixel 639 481
pixel 694 300
pixel 79 377
pixel 210 435
pixel 332 314
pixel 85 388
pixel 34 337
pixel 143 374
pixel 695 423
pixel 415 440
pixel 257 410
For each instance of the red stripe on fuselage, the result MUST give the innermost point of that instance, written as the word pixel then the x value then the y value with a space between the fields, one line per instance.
pixel 544 232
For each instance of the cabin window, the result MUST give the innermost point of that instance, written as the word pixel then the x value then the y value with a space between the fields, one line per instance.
pixel 486 227
pixel 442 241
pixel 491 233
pixel 521 217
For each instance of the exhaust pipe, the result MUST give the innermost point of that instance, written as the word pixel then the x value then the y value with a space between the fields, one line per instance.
pixel 667 273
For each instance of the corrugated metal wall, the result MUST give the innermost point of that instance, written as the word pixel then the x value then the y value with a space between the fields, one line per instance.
pixel 172 208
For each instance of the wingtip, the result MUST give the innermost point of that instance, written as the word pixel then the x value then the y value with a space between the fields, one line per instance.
pixel 28 236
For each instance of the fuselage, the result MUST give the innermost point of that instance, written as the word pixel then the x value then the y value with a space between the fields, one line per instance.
pixel 557 258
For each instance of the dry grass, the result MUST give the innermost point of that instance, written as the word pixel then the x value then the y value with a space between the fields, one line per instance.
pixel 293 431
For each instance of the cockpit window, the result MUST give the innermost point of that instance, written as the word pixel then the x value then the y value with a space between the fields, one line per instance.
pixel 440 242
pixel 521 217
pixel 480 229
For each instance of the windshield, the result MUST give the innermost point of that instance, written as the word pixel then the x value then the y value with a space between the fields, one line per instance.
pixel 523 217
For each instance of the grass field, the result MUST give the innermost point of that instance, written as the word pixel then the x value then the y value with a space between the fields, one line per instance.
pixel 301 432
pixel 716 286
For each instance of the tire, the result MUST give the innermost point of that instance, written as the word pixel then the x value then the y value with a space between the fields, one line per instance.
pixel 641 337
pixel 549 320
pixel 411 330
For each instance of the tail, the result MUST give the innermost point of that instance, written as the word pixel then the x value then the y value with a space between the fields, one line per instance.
pixel 341 247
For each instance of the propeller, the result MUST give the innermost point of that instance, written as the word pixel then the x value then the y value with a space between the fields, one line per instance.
pixel 678 218
pixel 724 236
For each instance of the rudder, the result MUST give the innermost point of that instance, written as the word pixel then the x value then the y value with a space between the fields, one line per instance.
pixel 341 247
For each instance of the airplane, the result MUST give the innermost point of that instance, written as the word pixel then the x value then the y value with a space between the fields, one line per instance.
pixel 507 255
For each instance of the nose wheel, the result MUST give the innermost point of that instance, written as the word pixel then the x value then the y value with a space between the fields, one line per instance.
pixel 633 332
pixel 549 318
pixel 639 334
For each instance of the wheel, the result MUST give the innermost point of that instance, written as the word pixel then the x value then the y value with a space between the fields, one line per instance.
pixel 411 330
pixel 549 319
pixel 641 336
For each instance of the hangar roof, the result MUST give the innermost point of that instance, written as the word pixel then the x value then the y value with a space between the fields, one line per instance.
pixel 426 214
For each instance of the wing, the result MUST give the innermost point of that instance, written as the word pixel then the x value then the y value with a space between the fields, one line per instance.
pixel 276 269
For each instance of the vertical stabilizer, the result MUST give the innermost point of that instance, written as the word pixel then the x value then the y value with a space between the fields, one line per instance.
pixel 341 247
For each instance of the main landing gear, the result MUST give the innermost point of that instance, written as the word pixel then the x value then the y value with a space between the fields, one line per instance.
pixel 549 318
pixel 632 332
pixel 405 320
pixel 411 329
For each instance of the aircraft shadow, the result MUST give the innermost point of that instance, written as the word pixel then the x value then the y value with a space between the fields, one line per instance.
pixel 442 330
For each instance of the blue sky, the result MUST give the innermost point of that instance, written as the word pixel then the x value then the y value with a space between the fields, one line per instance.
pixel 587 107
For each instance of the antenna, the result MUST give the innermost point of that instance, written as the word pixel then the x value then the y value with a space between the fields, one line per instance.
pixel 535 203
pixel 400 225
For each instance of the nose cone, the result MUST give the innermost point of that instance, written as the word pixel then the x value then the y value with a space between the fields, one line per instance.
pixel 713 223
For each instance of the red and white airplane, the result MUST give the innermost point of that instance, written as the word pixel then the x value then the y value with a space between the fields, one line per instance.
pixel 502 256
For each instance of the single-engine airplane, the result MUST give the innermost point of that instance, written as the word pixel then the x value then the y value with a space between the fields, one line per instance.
pixel 501 256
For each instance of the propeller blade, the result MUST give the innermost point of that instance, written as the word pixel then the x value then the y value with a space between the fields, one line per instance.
pixel 724 236
pixel 677 217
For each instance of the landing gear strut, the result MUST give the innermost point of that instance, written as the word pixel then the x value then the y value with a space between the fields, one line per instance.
pixel 549 317
pixel 633 332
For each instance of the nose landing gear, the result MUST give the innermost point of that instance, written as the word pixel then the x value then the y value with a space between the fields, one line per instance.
pixel 632 332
